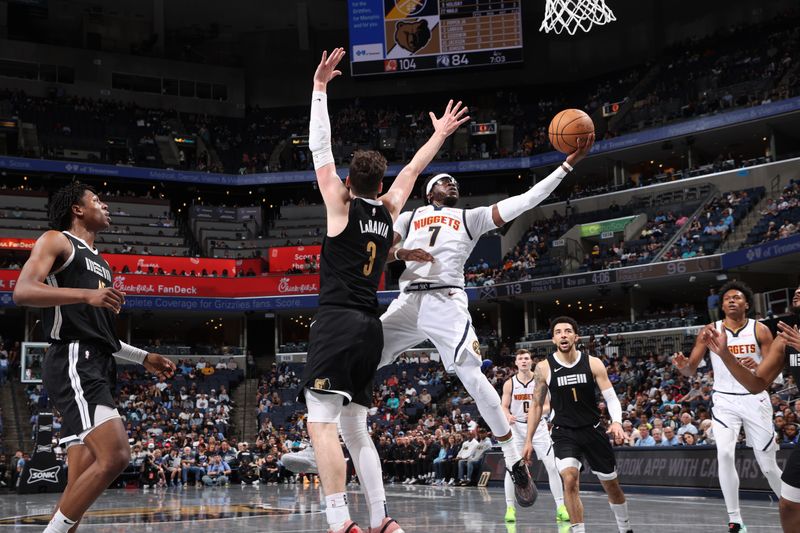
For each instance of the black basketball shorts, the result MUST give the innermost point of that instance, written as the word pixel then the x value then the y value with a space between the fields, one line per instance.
pixel 78 377
pixel 344 350
pixel 588 442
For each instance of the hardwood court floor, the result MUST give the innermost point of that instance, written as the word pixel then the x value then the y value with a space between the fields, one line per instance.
pixel 419 509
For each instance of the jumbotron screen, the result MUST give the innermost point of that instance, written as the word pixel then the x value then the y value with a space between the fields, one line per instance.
pixel 388 36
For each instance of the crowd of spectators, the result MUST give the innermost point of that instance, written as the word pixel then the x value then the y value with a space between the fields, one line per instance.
pixel 780 218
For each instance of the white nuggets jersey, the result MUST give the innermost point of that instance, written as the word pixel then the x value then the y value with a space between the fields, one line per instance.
pixel 742 343
pixel 447 233
pixel 521 398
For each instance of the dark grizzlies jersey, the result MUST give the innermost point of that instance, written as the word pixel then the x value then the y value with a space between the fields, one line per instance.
pixel 793 355
pixel 352 262
pixel 572 393
pixel 84 269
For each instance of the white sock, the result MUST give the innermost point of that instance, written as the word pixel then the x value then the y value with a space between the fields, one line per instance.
pixel 735 516
pixel 508 484
pixel 621 514
pixel 578 528
pixel 336 510
pixel 59 523
pixel 510 452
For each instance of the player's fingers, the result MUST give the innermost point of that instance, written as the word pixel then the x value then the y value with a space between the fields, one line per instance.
pixel 324 56
pixel 433 117
pixel 456 107
pixel 449 107
pixel 461 111
pixel 336 73
pixel 462 120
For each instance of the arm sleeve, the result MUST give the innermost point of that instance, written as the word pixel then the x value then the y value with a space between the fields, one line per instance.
pixel 511 208
pixel 614 407
pixel 131 353
pixel 402 223
pixel 319 131
pixel 479 220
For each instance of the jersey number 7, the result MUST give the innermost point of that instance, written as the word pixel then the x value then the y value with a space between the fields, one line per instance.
pixel 435 231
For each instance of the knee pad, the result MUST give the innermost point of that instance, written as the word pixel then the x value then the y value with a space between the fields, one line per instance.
pixel 353 423
pixel 476 384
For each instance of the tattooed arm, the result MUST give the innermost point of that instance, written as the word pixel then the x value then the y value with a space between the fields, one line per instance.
pixel 540 374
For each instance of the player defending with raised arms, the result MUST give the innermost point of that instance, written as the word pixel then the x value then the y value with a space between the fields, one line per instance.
pixel 518 393
pixel 733 405
pixel 346 337
pixel 571 377
pixel 784 349
pixel 67 277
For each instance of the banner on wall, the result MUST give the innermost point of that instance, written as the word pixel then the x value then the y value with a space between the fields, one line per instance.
pixel 168 264
pixel 10 243
pixel 284 258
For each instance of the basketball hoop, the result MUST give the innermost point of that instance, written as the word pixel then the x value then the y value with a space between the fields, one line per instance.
pixel 569 15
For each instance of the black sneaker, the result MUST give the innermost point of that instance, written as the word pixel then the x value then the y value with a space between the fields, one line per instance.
pixel 734 527
pixel 524 489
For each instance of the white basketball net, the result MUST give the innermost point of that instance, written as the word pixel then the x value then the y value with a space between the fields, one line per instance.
pixel 569 15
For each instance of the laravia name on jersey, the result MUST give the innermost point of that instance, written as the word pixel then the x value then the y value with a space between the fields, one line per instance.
pixel 523 397
pixel 376 227
pixel 743 349
pixel 437 219
pixel 101 271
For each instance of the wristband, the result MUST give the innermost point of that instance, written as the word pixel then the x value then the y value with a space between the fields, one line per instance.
pixel 395 254
pixel 567 166
pixel 131 353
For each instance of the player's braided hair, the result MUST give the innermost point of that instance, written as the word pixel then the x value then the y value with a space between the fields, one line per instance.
pixel 59 208
pixel 737 286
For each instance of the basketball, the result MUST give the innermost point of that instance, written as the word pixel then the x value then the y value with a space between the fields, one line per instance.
pixel 566 127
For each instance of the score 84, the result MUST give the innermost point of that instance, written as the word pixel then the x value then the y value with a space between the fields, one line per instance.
pixel 453 60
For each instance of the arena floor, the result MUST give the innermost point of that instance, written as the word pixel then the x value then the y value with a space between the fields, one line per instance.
pixel 417 508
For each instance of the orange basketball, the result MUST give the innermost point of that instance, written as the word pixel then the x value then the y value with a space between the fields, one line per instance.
pixel 567 127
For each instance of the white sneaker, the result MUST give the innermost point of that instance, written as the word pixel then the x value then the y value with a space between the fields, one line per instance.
pixel 302 462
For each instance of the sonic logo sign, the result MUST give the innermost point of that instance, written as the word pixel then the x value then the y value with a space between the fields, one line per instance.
pixel 50 475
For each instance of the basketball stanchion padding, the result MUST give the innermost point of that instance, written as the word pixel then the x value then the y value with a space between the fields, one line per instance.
pixel 43 473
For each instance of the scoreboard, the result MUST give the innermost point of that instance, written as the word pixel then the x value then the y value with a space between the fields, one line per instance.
pixel 388 36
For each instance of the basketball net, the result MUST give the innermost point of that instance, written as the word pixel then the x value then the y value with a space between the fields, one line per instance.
pixel 569 15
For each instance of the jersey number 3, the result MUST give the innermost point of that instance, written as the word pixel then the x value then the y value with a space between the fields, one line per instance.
pixel 372 249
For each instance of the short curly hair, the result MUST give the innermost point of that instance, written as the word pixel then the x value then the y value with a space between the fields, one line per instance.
pixel 59 208
pixel 737 286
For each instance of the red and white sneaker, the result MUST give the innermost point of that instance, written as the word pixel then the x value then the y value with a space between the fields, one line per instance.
pixel 387 526
pixel 349 527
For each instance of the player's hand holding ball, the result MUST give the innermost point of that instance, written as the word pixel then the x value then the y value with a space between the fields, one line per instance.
pixel 572 132
pixel 159 365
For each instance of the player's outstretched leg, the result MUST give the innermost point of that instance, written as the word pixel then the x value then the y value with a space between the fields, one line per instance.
pixel 511 510
pixel 488 402
pixel 616 499
pixel 572 498
pixel 108 443
pixel 556 486
pixel 324 412
pixel 368 467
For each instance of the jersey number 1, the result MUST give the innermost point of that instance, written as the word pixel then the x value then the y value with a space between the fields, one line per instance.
pixel 372 249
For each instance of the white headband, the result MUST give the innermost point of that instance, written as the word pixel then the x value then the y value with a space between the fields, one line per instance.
pixel 433 181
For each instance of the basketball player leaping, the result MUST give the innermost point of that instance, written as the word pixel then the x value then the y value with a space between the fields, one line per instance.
pixel 733 405
pixel 518 393
pixel 570 377
pixel 69 278
pixel 346 338
pixel 438 239
pixel 784 349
